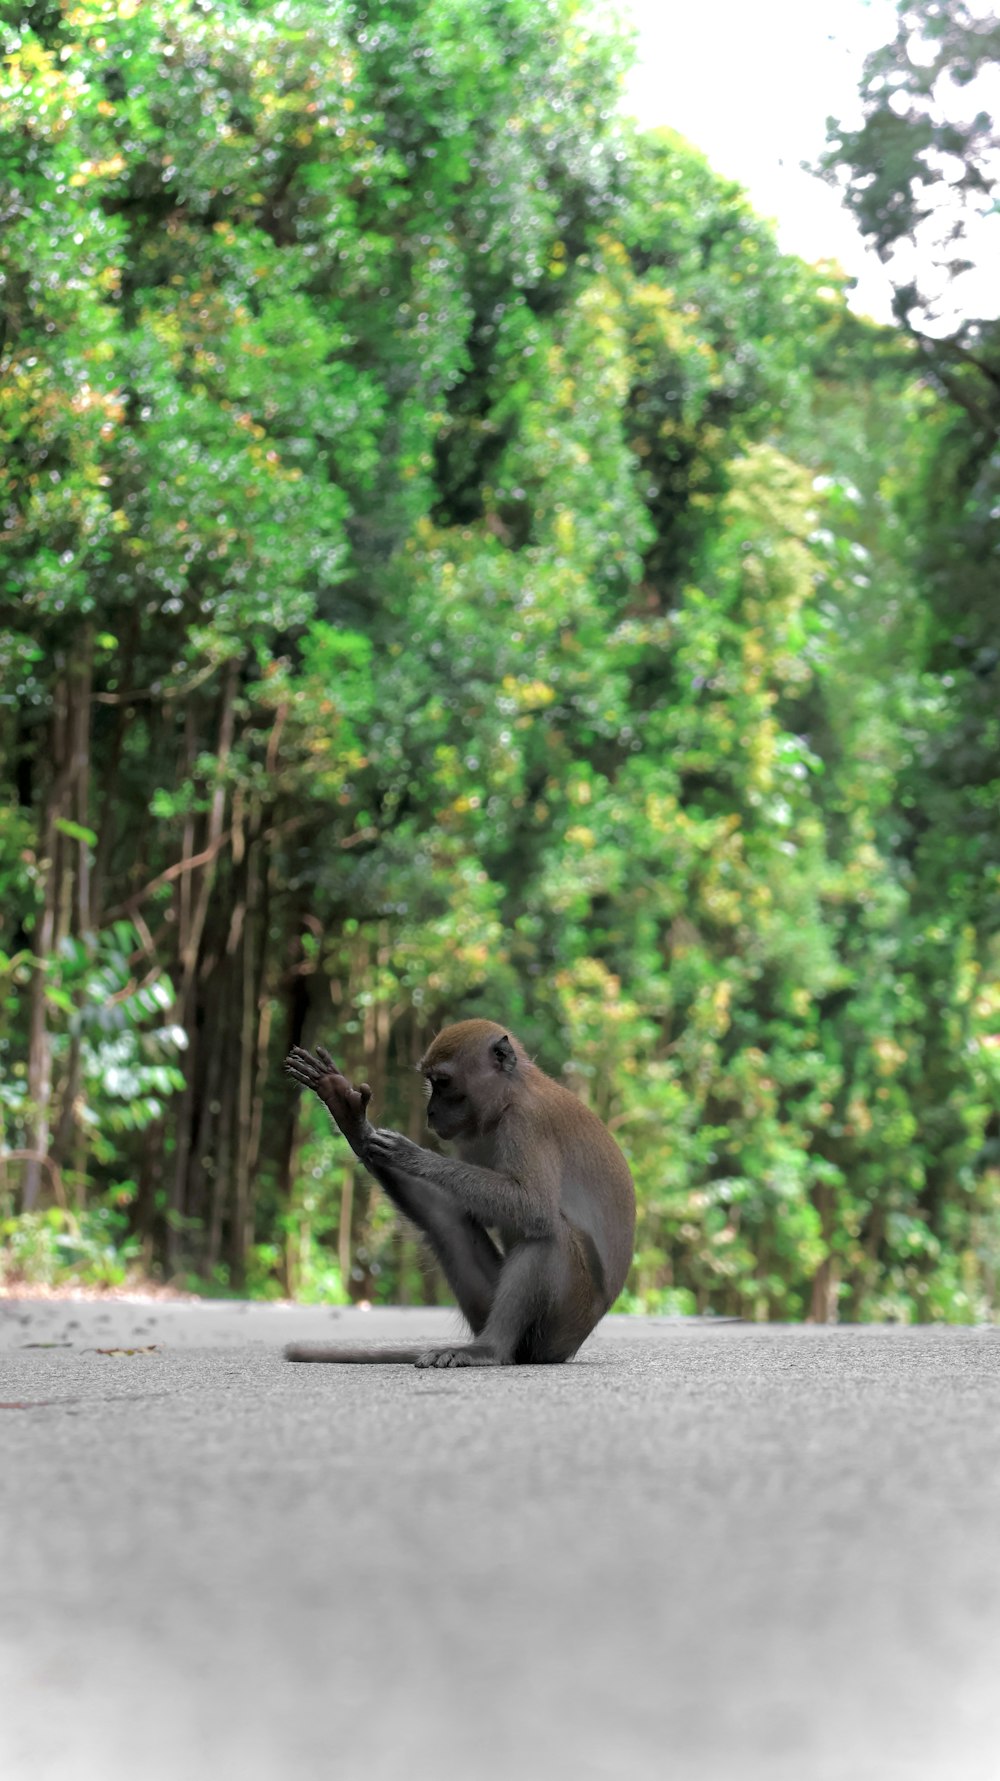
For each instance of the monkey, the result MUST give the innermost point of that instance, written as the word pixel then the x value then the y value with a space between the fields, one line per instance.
pixel 532 1222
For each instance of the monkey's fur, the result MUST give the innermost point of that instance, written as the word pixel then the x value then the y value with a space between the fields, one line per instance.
pixel 534 1166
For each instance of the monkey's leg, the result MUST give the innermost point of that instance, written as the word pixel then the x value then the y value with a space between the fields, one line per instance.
pixel 469 1258
pixel 534 1280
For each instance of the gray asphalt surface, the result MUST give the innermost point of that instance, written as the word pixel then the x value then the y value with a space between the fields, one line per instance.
pixel 722 1554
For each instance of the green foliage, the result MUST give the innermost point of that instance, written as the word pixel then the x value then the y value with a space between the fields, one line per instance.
pixel 90 1248
pixel 461 565
pixel 114 1019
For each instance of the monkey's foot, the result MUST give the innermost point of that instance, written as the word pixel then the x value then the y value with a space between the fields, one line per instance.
pixel 461 1357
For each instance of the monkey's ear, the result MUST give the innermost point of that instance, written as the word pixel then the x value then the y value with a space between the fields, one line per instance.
pixel 504 1054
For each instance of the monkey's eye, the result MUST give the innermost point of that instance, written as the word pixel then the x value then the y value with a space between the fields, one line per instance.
pixel 442 1088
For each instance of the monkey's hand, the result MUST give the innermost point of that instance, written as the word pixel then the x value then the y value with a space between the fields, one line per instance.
pixel 390 1150
pixel 347 1104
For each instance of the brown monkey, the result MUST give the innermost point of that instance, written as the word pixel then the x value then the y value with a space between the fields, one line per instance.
pixel 534 1166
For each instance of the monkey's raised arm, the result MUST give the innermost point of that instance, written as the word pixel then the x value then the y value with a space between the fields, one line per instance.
pixel 396 1163
pixel 489 1196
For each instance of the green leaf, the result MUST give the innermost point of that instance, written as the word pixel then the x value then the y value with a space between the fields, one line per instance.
pixel 76 831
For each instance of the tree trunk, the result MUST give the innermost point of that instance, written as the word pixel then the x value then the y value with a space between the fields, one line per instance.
pixel 76 856
pixel 825 1292
pixel 344 1241
pixel 249 1035
pixel 826 1281
pixel 81 686
pixel 193 911
pixel 297 1004
pixel 220 1179
pixel 43 945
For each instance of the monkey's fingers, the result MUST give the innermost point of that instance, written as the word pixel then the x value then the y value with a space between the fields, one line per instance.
pixel 304 1070
pixel 306 1061
pixel 326 1060
pixel 366 1094
pixel 301 1056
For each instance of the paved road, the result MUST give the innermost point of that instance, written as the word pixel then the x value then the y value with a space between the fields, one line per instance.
pixel 715 1554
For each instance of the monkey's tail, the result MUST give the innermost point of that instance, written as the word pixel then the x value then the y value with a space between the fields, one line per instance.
pixel 353 1357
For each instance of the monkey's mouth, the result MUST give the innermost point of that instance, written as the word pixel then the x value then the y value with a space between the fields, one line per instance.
pixel 443 1127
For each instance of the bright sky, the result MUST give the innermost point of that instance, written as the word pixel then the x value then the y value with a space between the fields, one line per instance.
pixel 751 83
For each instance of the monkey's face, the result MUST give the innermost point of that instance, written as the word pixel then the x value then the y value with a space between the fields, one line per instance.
pixel 450 1113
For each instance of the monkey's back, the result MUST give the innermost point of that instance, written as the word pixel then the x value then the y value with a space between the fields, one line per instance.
pixel 596 1187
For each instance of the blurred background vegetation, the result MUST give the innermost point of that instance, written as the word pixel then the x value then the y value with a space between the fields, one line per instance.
pixel 454 564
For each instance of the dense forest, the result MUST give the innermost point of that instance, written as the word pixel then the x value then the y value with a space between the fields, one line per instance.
pixel 454 564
